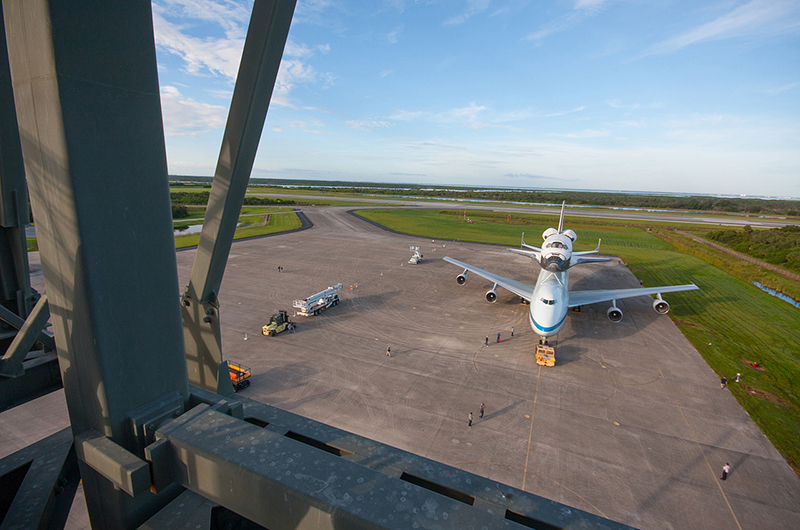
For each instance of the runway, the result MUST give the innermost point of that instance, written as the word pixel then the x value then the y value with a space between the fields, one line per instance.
pixel 630 424
pixel 718 219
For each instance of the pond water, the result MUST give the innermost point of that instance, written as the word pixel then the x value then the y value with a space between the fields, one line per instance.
pixel 193 229
pixel 776 294
pixel 186 230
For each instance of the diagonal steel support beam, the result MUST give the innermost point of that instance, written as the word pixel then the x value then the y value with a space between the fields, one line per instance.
pixel 261 58
pixel 39 483
pixel 11 362
pixel 14 321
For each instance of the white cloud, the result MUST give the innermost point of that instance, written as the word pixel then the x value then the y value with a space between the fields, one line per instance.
pixel 469 113
pixel 214 56
pixel 201 56
pixel 392 35
pixel 757 17
pixel 586 133
pixel 232 17
pixel 583 10
pixel 617 104
pixel 589 4
pixel 783 88
pixel 368 124
pixel 554 114
pixel 473 8
pixel 184 116
pixel 407 115
pixel 386 73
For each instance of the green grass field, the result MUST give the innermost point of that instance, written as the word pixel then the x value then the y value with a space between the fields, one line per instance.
pixel 741 323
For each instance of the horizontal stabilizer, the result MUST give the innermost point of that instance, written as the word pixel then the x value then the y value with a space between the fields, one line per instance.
pixel 577 260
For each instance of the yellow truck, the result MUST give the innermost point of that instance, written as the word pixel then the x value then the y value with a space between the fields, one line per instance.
pixel 277 323
pixel 545 355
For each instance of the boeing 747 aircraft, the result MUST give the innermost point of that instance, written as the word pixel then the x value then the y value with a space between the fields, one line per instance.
pixel 550 298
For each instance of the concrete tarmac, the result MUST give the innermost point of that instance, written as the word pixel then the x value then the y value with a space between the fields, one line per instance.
pixel 630 424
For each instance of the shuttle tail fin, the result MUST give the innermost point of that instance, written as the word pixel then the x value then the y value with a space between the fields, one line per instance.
pixel 561 219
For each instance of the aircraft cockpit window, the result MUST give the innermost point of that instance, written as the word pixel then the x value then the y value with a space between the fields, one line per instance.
pixel 545 301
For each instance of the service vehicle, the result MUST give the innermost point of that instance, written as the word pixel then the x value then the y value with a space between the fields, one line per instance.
pixel 315 304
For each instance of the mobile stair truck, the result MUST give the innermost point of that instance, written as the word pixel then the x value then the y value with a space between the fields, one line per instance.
pixel 315 304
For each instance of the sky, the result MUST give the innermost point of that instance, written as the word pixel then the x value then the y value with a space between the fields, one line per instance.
pixel 682 96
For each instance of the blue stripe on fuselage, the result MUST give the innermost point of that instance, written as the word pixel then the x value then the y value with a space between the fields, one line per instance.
pixel 543 329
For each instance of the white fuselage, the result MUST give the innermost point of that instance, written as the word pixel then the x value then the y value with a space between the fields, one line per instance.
pixel 550 303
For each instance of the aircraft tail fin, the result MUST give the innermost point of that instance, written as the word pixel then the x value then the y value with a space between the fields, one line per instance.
pixel 561 219
pixel 523 244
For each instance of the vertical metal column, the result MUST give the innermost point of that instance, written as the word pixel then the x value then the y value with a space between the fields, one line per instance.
pixel 15 286
pixel 261 58
pixel 87 100
pixel 19 380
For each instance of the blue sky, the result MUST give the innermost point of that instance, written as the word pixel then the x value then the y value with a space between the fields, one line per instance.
pixel 641 95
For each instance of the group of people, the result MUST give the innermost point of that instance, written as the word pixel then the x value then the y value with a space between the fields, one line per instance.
pixel 483 409
pixel 499 337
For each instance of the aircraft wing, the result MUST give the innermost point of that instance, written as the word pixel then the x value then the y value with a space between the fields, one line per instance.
pixel 518 288
pixel 577 298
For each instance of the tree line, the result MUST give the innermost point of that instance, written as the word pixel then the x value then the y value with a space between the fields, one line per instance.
pixel 778 246
pixel 181 198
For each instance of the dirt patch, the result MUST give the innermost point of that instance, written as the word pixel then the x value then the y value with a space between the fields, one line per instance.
pixel 753 365
pixel 687 323
pixel 753 391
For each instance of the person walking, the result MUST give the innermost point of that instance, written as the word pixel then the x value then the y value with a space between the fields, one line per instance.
pixel 512 331
pixel 723 383
pixel 470 420
pixel 388 351
pixel 498 337
pixel 725 470
pixel 487 341
pixel 483 408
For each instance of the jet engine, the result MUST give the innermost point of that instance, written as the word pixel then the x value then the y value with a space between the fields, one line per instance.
pixel 614 313
pixel 549 232
pixel 491 296
pixel 570 234
pixel 660 306
pixel 461 279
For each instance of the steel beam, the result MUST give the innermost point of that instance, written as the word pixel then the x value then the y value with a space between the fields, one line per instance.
pixel 87 101
pixel 11 362
pixel 281 470
pixel 283 484
pixel 258 70
pixel 14 321
pixel 15 285
pixel 38 484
